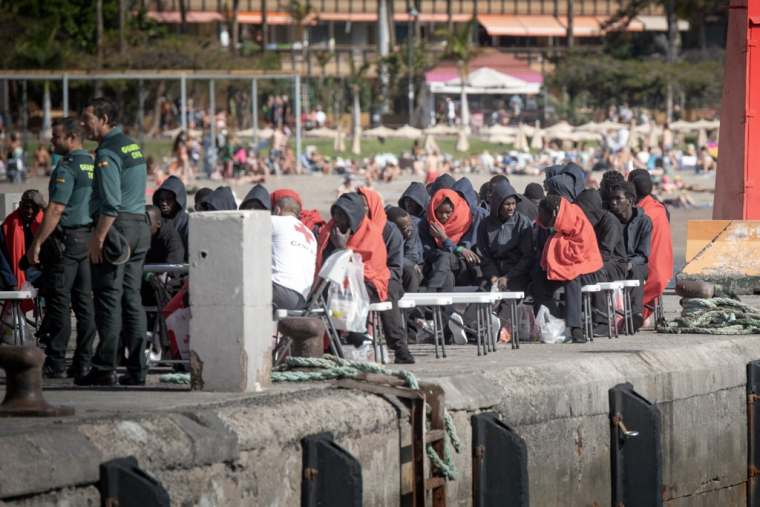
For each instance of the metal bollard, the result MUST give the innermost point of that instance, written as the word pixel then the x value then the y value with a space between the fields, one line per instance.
pixel 306 333
pixel 23 384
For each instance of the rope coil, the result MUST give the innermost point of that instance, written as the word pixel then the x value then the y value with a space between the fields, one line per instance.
pixel 716 316
pixel 332 367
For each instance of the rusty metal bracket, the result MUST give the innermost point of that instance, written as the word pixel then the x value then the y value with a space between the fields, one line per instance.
pixel 428 394
pixel 23 384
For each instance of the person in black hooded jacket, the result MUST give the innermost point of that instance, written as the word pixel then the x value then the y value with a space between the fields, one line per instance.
pixel 526 207
pixel 220 199
pixel 568 182
pixel 414 201
pixel 257 199
pixel 609 237
pixel 171 199
pixel 505 242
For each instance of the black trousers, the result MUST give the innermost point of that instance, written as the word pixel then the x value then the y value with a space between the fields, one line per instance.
pixel 410 279
pixel 286 299
pixel 638 272
pixel 118 305
pixel 544 290
pixel 391 320
pixel 67 281
pixel 449 271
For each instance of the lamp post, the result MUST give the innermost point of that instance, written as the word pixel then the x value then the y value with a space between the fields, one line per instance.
pixel 410 42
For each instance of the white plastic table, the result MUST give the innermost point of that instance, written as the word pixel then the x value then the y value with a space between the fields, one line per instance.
pixel 17 316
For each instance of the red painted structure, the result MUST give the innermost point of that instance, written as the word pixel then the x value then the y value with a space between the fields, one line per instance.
pixel 737 187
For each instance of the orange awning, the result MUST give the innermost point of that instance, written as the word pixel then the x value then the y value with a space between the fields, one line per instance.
pixel 542 26
pixel 501 24
pixel 635 25
pixel 584 26
pixel 353 17
pixel 273 18
pixel 426 17
pixel 192 16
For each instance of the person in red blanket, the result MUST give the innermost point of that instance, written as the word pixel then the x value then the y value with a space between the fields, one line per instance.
pixel 661 256
pixel 16 235
pixel 351 228
pixel 570 259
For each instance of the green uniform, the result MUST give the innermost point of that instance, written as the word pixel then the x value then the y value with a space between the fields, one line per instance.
pixel 66 274
pixel 119 183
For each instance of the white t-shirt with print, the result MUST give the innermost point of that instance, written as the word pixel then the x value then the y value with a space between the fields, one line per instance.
pixel 294 254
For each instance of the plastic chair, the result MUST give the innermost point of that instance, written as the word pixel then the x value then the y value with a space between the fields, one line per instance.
pixel 375 309
pixel 436 302
pixel 513 299
pixel 588 321
pixel 627 310
pixel 333 271
pixel 608 288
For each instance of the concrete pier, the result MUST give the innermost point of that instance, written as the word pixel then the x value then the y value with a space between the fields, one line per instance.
pixel 244 449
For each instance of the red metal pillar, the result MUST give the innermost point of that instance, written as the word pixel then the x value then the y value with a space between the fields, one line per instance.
pixel 737 185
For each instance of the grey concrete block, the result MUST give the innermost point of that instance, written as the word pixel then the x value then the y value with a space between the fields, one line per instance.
pixel 212 440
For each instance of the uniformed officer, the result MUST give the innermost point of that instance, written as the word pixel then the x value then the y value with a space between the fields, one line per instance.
pixel 65 231
pixel 118 246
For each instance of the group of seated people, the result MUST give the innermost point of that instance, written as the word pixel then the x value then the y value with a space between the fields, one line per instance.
pixel 446 237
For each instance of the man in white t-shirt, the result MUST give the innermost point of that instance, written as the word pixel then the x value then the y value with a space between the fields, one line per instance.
pixel 294 256
pixel 320 117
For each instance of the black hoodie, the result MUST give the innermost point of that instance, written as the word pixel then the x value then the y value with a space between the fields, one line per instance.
pixel 638 237
pixel 444 181
pixel 505 248
pixel 166 246
pixel 175 185
pixel 609 234
pixel 221 199
pixel 259 193
pixel 418 194
pixel 568 183
pixel 353 207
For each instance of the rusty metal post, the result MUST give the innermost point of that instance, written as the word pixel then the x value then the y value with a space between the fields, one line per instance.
pixel 306 333
pixel 737 183
pixel 23 388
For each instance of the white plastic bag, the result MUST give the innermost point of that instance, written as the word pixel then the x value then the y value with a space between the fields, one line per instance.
pixel 550 329
pixel 348 302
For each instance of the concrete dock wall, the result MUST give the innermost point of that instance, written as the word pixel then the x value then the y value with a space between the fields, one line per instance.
pixel 246 450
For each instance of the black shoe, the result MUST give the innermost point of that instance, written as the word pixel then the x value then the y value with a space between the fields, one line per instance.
pixel 52 372
pixel 577 335
pixel 131 380
pixel 404 357
pixel 75 371
pixel 638 322
pixel 601 330
pixel 96 378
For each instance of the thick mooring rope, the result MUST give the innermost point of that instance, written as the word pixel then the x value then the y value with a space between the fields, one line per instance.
pixel 332 367
pixel 717 316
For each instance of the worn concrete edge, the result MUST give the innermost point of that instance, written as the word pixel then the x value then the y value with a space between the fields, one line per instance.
pixel 68 453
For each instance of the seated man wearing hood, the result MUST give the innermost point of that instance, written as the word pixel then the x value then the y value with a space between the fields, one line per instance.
pixel 415 201
pixel 350 228
pixel 171 199
pixel 570 259
pixel 257 199
pixel 220 199
pixel 525 207
pixel 609 237
pixel 637 232
pixel 505 242
pixel 446 244
pixel 412 274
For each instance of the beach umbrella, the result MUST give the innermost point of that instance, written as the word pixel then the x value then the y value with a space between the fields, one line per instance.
pixel 378 132
pixel 601 127
pixel 356 147
pixel 339 146
pixel 537 142
pixel 701 138
pixel 407 132
pixel 442 130
pixel 521 142
pixel 559 128
pixel 653 136
pixel 321 133
pixel 498 130
pixel 463 144
pixel 430 144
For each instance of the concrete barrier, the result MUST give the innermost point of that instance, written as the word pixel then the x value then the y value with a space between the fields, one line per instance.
pixel 723 252
pixel 245 449
pixel 230 256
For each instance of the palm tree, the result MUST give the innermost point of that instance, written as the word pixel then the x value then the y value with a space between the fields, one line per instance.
pixel 355 77
pixel 460 50
pixel 323 58
pixel 264 26
pixel 301 12
pixel 234 25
